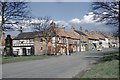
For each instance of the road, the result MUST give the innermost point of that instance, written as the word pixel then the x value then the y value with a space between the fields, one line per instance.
pixel 57 67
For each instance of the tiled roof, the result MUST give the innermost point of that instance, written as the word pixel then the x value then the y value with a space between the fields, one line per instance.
pixel 108 36
pixel 83 36
pixel 72 35
pixel 100 36
pixel 61 32
pixel 92 35
pixel 80 32
pixel 26 35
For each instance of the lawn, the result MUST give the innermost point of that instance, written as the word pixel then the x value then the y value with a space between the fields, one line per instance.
pixel 24 58
pixel 104 69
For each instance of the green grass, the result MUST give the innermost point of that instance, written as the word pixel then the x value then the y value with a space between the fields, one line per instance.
pixel 108 69
pixel 0 58
pixel 23 58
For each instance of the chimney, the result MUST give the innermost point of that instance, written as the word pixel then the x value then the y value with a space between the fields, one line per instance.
pixel 72 29
pixel 62 28
pixel 86 30
pixel 21 30
pixel 52 23
pixel 81 29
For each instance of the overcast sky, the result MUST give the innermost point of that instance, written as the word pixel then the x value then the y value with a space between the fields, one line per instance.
pixel 67 13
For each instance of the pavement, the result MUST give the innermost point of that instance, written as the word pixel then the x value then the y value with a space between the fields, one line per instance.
pixel 65 66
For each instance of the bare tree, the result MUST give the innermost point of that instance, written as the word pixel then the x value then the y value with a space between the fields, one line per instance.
pixel 46 29
pixel 11 13
pixel 106 11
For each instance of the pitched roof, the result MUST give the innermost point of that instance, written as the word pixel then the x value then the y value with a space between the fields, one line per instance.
pixel 92 35
pixel 108 36
pixel 83 36
pixel 80 32
pixel 26 35
pixel 100 36
pixel 61 32
pixel 72 35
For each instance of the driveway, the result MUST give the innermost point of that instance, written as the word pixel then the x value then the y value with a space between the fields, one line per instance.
pixel 57 67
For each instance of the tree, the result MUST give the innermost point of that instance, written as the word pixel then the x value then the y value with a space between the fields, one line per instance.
pixel 107 12
pixel 46 29
pixel 12 13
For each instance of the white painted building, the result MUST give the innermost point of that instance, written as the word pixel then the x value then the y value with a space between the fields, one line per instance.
pixel 23 47
pixel 23 44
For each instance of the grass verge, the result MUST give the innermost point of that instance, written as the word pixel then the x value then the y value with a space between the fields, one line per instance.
pixel 108 67
pixel 24 58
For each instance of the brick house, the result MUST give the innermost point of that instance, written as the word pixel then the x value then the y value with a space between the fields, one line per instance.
pixel 64 42
pixel 32 43
pixel 83 39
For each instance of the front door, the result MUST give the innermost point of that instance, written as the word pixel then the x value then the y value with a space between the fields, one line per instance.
pixel 86 47
pixel 32 51
pixel 24 51
pixel 49 49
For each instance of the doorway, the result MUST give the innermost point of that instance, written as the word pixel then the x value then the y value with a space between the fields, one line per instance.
pixel 24 51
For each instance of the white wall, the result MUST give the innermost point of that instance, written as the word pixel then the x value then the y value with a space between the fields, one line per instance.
pixel 20 51
pixel 17 49
pixel 106 43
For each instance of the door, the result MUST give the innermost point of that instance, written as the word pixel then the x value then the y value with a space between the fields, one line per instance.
pixel 49 49
pixel 86 47
pixel 24 51
pixel 32 51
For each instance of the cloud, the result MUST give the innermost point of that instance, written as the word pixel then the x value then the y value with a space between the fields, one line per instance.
pixel 60 23
pixel 88 22
pixel 88 18
pixel 75 21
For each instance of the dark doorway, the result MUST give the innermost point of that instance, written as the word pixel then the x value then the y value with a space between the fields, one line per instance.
pixel 24 51
pixel 86 47
pixel 95 45
pixel 32 51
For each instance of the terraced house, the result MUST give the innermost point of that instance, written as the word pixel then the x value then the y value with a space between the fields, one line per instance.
pixel 33 43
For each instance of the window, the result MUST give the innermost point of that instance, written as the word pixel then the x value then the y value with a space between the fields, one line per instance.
pixel 28 50
pixel 41 48
pixel 21 42
pixel 41 40
pixel 63 40
pixel 31 41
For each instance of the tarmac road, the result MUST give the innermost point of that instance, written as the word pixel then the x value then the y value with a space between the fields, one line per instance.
pixel 65 66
